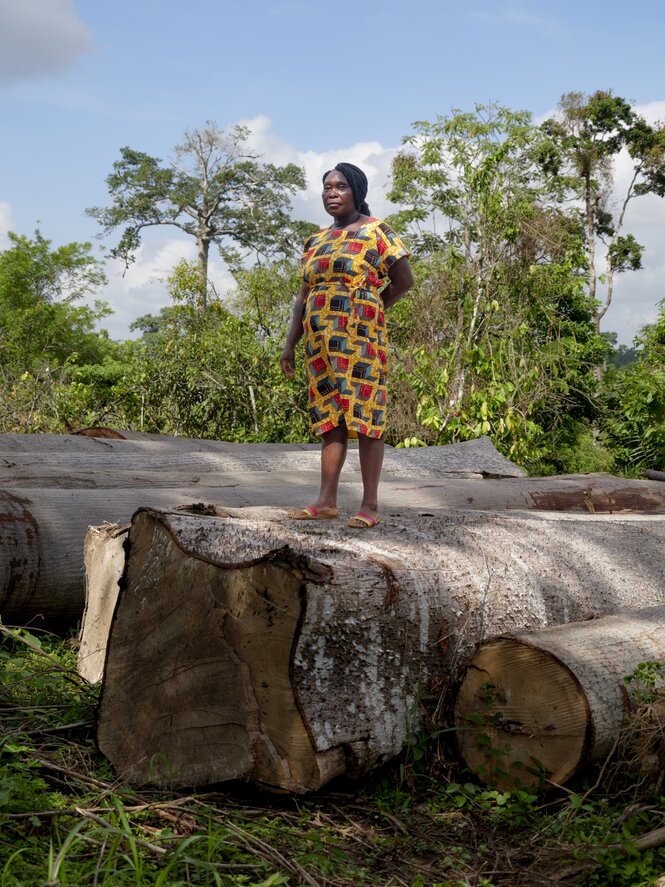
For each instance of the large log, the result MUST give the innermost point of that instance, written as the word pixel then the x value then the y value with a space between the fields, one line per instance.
pixel 285 652
pixel 66 461
pixel 547 703
pixel 85 481
pixel 42 530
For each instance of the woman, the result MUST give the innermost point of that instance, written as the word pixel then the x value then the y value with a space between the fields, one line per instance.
pixel 352 272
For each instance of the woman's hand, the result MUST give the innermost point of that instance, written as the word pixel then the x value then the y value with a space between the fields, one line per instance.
pixel 287 361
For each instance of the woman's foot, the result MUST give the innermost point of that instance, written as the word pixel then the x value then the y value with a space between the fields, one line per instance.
pixel 313 512
pixel 364 520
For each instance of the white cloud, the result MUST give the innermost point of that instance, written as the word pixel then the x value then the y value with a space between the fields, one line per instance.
pixel 39 38
pixel 142 288
pixel 653 112
pixel 6 224
pixel 373 158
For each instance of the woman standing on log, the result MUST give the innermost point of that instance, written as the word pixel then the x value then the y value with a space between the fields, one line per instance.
pixel 352 272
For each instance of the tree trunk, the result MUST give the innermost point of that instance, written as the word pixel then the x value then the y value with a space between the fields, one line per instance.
pixel 55 486
pixel 288 652
pixel 42 531
pixel 544 704
pixel 203 256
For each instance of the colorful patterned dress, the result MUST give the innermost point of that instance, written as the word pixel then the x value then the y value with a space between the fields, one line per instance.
pixel 345 326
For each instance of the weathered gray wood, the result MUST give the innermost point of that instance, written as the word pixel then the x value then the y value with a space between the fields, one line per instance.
pixel 546 703
pixel 87 481
pixel 104 558
pixel 73 461
pixel 42 530
pixel 363 620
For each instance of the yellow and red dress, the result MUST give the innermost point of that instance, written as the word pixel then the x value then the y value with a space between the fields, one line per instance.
pixel 344 323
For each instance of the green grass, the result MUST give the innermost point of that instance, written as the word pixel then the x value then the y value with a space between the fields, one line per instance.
pixel 66 820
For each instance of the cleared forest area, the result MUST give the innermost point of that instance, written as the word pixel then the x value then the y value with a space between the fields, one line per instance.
pixel 462 520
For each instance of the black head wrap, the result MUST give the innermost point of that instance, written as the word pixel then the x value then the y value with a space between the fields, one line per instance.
pixel 357 182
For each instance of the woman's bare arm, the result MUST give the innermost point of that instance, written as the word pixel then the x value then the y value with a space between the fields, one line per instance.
pixel 401 281
pixel 287 360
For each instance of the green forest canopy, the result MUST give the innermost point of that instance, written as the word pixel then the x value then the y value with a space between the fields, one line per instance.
pixel 500 335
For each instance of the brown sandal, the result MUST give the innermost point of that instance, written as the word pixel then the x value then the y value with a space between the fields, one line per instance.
pixel 310 512
pixel 362 521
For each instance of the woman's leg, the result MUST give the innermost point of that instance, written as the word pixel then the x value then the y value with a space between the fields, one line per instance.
pixel 333 454
pixel 371 462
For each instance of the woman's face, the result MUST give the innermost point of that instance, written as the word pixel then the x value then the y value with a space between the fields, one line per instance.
pixel 338 197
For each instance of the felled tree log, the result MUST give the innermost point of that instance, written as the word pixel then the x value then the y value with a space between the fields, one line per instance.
pixel 80 461
pixel 546 703
pixel 58 485
pixel 285 653
pixel 42 530
pixel 42 533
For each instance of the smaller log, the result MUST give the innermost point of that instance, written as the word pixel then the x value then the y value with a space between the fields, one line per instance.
pixel 655 475
pixel 544 704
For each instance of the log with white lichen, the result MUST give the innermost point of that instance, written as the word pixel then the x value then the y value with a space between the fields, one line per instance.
pixel 546 703
pixel 42 530
pixel 282 652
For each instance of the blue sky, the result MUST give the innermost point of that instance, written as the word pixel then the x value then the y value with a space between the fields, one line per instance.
pixel 316 82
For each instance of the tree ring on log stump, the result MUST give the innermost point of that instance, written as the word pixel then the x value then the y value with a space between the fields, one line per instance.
pixel 511 736
pixel 197 683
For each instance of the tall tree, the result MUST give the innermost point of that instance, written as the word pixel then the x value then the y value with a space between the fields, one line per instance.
pixel 585 140
pixel 216 190
pixel 497 337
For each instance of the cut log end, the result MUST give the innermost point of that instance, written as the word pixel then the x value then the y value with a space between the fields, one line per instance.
pixel 513 731
pixel 208 696
pixel 547 703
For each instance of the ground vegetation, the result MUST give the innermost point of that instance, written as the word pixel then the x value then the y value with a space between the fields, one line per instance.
pixel 420 822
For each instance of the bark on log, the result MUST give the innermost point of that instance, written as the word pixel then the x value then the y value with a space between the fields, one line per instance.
pixel 104 432
pixel 104 557
pixel 545 704
pixel 287 652
pixel 43 460
pixel 42 531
